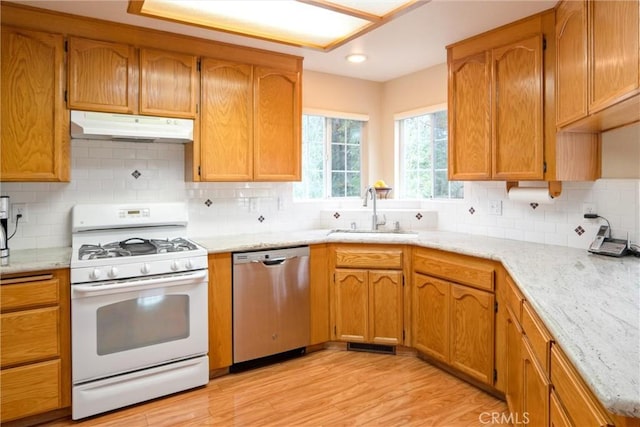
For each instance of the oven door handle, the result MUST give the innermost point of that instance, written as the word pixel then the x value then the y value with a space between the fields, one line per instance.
pixel 143 283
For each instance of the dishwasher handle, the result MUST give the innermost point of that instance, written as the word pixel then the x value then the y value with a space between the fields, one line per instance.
pixel 275 261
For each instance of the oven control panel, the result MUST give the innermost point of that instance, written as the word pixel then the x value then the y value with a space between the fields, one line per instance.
pixel 107 270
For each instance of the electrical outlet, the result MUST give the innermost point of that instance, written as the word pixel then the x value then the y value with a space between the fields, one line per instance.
pixel 19 209
pixel 589 208
pixel 495 207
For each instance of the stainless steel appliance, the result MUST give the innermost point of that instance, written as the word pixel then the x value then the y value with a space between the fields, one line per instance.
pixel 138 305
pixel 270 302
pixel 4 231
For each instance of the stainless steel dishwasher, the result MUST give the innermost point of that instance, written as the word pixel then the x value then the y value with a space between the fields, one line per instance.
pixel 270 302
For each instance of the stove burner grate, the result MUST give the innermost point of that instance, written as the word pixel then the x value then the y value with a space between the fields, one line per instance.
pixel 134 246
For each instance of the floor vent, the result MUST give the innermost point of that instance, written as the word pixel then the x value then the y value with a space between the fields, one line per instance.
pixel 371 348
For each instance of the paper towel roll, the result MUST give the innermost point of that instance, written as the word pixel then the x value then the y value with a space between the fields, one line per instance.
pixel 530 195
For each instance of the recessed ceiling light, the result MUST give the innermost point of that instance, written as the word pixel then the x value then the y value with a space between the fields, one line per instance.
pixel 356 58
pixel 320 24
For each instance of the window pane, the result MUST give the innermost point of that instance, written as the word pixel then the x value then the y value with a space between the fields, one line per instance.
pixel 337 184
pixel 353 184
pixel 338 158
pixel 339 140
pixel 423 157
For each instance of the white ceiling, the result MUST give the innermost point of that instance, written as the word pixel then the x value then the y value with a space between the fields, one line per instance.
pixel 412 42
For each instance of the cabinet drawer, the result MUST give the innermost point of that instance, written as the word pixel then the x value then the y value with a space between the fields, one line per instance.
pixel 457 268
pixel 539 337
pixel 514 299
pixel 369 258
pixel 580 404
pixel 29 335
pixel 29 390
pixel 29 292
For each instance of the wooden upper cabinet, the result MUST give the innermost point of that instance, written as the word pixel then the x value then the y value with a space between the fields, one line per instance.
pixel 35 123
pixel 517 110
pixel 251 123
pixel 102 76
pixel 226 127
pixel 598 64
pixel 116 78
pixel 571 61
pixel 277 134
pixel 470 118
pixel 496 103
pixel 615 73
pixel 168 83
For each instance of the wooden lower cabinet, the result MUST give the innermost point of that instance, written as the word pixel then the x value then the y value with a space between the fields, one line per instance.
pixel 471 332
pixel 35 375
pixel 535 389
pixel 319 294
pixel 430 321
pixel 513 368
pixel 453 311
pixel 454 324
pixel 368 306
pixel 220 311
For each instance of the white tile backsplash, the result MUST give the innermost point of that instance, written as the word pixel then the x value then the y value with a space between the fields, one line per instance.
pixel 102 173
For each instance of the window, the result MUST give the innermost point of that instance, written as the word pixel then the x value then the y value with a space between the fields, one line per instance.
pixel 422 157
pixel 331 158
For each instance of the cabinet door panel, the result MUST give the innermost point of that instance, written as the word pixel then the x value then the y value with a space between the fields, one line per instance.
pixel 517 133
pixel 30 389
pixel 430 316
pixel 277 125
pixel 35 124
pixel 29 335
pixel 220 308
pixel 102 76
pixel 513 350
pixel 168 83
pixel 535 389
pixel 351 305
pixel 571 62
pixel 469 118
pixel 226 137
pixel 471 332
pixel 614 51
pixel 385 307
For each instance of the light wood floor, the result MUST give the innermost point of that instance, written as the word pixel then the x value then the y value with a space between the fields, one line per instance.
pixel 325 388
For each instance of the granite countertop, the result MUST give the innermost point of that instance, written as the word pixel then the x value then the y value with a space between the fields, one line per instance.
pixel 589 303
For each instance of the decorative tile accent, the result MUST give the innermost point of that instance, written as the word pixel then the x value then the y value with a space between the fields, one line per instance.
pixel 208 202
pixel 579 230
pixel 136 174
pixel 336 215
pixel 471 210
pixel 419 216
pixel 260 218
pixel 533 205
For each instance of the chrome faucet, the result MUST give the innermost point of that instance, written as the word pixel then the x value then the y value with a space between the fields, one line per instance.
pixel 371 191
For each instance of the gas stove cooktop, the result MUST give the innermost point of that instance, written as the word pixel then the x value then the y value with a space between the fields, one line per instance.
pixel 133 247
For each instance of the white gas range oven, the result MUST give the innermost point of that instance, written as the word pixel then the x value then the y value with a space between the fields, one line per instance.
pixel 138 305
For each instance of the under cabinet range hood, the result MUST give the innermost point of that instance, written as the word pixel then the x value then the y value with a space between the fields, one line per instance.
pixel 130 128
